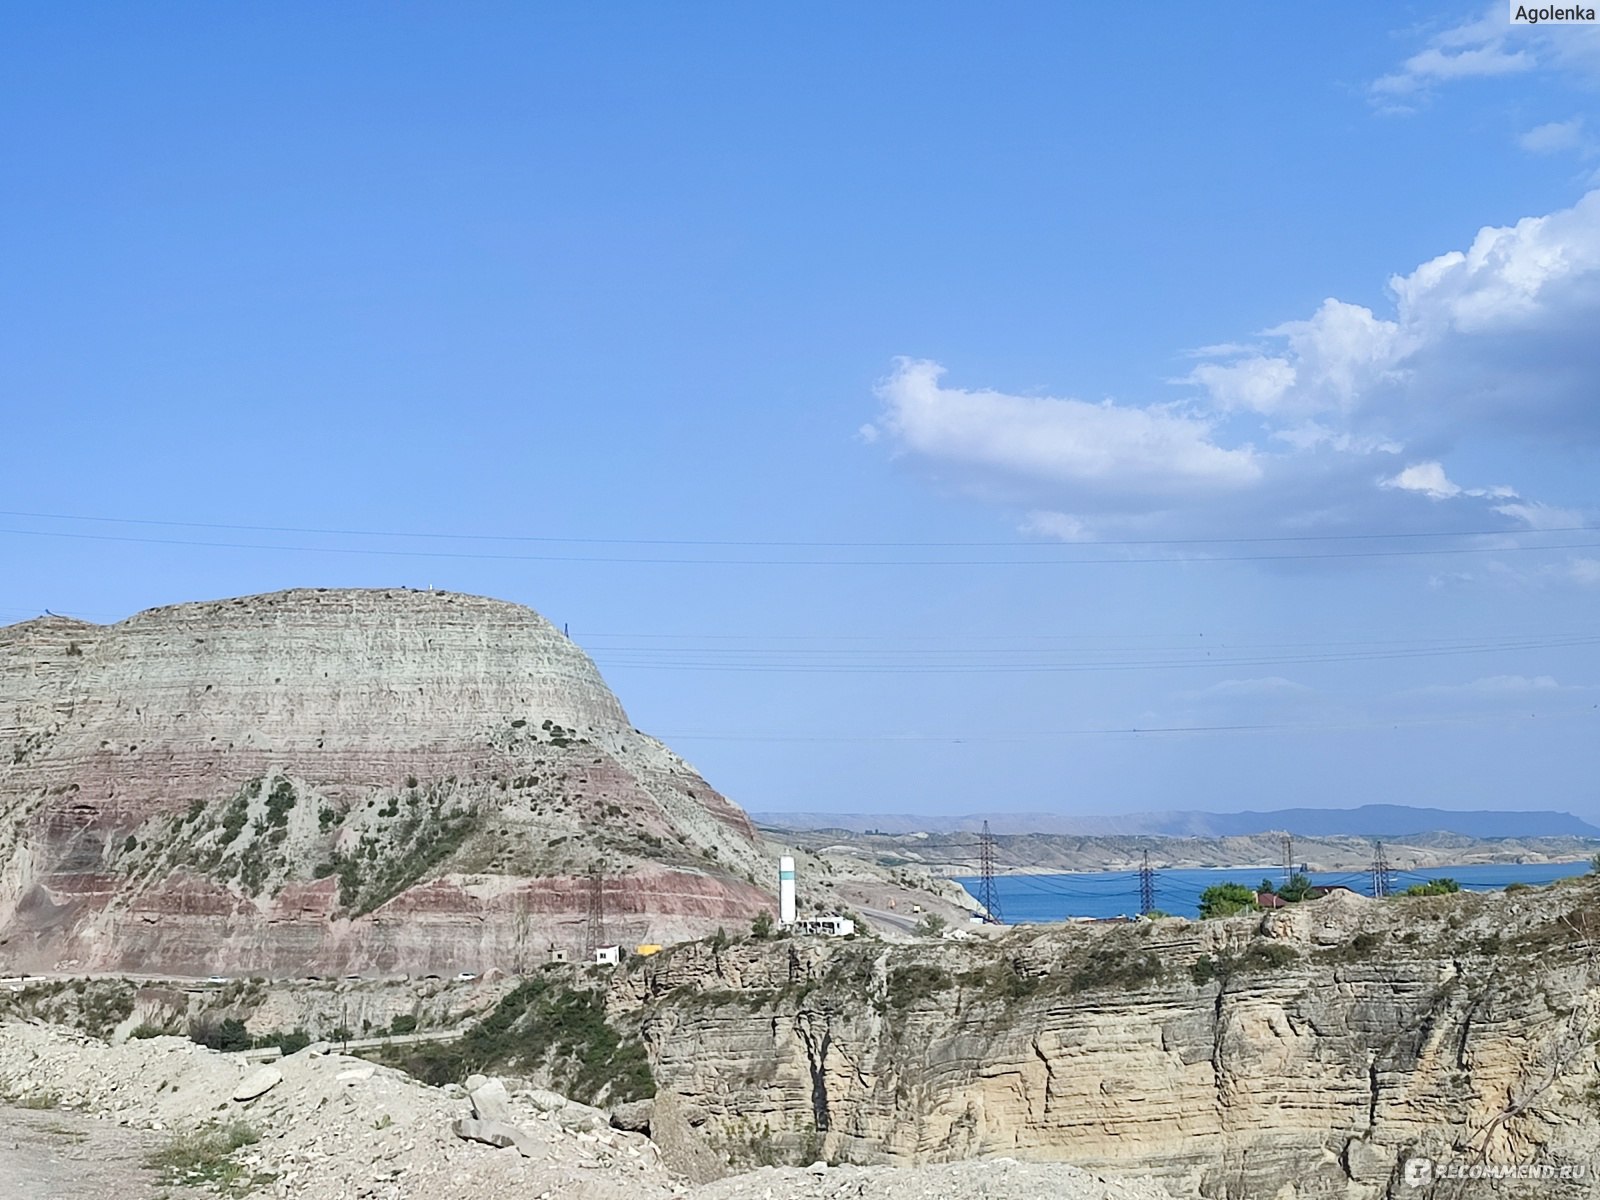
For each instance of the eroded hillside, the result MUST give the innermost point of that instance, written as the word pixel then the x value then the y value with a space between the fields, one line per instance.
pixel 327 780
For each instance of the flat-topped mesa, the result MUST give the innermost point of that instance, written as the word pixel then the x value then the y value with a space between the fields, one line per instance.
pixel 318 755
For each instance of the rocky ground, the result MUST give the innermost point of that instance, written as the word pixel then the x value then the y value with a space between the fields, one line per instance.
pixel 322 1126
pixel 45 1155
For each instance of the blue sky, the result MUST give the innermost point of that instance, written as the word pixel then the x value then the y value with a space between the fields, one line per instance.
pixel 901 402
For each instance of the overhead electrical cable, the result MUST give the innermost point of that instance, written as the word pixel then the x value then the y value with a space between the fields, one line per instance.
pixel 797 544
pixel 640 560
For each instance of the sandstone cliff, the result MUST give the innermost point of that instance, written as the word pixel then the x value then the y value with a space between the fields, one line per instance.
pixel 1302 1054
pixel 331 780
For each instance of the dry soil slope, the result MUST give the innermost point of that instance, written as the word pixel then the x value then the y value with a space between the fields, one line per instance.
pixel 328 780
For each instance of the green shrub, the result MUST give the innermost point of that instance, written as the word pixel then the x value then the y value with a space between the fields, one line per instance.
pixel 543 1023
pixel 908 985
pixel 1118 967
pixel 1258 956
pixel 228 1034
pixel 1359 948
pixel 1226 899
pixel 1264 956
pixel 1434 887
pixel 290 1043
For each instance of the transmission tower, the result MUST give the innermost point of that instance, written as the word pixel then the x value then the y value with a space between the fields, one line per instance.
pixel 1288 858
pixel 595 934
pixel 988 897
pixel 1147 886
pixel 1382 884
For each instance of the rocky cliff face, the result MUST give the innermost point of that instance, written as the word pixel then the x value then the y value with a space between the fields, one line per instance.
pixel 1303 1054
pixel 331 780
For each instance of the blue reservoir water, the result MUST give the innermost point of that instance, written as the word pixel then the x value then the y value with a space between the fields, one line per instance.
pixel 1030 898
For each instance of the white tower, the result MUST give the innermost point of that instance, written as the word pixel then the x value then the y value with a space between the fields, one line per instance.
pixel 786 890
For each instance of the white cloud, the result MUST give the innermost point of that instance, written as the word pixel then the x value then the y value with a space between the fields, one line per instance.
pixel 1343 420
pixel 1540 516
pixel 1327 362
pixel 1502 331
pixel 1070 445
pixel 1425 477
pixel 1061 526
pixel 1487 47
pixel 1429 479
pixel 1556 137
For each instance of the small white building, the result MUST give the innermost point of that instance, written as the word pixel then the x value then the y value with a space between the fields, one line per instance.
pixel 825 926
pixel 608 955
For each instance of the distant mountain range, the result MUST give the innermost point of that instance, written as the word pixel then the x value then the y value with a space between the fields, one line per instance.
pixel 1369 820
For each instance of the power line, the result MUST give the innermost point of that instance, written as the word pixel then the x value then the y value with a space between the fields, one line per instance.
pixel 640 560
pixel 955 739
pixel 1257 539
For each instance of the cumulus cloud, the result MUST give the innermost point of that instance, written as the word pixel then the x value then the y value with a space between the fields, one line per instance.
pixel 1342 419
pixel 1503 330
pixel 1059 443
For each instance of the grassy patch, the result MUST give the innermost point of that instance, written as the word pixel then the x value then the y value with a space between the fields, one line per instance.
pixel 1361 948
pixel 1259 956
pixel 1118 967
pixel 910 985
pixel 205 1156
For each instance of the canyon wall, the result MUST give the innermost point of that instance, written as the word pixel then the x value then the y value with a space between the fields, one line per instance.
pixel 1301 1054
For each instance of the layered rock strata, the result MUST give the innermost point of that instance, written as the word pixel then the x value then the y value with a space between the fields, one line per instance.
pixel 1304 1054
pixel 336 780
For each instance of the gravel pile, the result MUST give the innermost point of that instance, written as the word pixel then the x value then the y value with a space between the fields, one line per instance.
pixel 339 1128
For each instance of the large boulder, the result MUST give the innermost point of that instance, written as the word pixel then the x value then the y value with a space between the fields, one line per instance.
pixel 633 1116
pixel 257 1083
pixel 491 1102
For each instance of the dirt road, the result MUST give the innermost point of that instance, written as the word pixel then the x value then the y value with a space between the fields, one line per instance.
pixel 52 1154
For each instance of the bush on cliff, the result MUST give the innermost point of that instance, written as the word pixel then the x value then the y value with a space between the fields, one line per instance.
pixel 1226 899
pixel 544 1026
